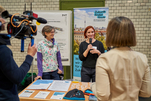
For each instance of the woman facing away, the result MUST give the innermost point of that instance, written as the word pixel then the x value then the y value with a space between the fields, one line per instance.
pixel 89 51
pixel 48 56
pixel 122 74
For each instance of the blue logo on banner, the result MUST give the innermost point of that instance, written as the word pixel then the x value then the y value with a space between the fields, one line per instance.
pixel 99 14
pixel 77 64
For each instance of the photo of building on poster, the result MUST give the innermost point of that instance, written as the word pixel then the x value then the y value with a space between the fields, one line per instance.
pixel 83 17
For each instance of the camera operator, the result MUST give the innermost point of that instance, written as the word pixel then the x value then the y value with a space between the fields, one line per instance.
pixel 10 74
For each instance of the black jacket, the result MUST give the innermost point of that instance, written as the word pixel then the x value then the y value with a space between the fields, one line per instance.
pixel 10 74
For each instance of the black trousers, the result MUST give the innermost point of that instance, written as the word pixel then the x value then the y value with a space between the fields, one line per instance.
pixel 51 75
pixel 144 99
pixel 87 74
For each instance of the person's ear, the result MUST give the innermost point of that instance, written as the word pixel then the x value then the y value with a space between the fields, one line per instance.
pixel 46 34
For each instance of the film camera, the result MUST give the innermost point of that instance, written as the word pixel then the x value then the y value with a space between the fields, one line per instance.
pixel 21 27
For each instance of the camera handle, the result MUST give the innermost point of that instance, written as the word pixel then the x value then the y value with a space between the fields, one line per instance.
pixel 22 42
pixel 22 45
pixel 32 40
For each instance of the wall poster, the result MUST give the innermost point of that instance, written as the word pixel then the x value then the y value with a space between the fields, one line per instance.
pixel 61 21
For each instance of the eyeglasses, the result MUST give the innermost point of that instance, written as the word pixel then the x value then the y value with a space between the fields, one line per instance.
pixel 52 32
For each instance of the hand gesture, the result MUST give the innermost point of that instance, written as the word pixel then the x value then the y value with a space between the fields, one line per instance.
pixel 36 78
pixel 31 50
pixel 89 47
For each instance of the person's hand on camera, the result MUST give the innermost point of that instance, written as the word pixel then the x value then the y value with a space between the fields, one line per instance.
pixel 38 77
pixel 31 50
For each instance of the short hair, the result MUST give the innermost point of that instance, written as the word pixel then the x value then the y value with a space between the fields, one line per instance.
pixel 1 10
pixel 120 32
pixel 86 29
pixel 47 29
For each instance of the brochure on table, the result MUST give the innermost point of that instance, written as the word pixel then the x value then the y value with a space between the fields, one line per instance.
pixel 40 84
pixel 42 94
pixel 59 85
pixel 58 95
pixel 26 93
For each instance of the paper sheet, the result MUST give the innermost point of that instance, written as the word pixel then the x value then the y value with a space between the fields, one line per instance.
pixel 26 93
pixel 42 95
pixel 58 95
pixel 40 84
pixel 58 85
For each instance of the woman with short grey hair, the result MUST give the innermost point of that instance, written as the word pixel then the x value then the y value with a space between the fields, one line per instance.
pixel 48 56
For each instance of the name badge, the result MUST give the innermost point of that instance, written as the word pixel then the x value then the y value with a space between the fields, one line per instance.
pixel 94 47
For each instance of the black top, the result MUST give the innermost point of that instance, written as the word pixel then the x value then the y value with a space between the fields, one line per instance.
pixel 90 60
pixel 10 74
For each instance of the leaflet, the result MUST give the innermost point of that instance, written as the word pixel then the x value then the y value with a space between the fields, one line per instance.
pixel 40 84
pixel 26 93
pixel 58 95
pixel 42 94
pixel 58 85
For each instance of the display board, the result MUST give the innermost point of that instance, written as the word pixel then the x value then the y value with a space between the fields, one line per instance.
pixel 83 17
pixel 62 22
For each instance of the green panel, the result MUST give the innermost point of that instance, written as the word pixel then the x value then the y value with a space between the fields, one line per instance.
pixel 69 5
